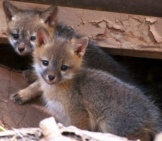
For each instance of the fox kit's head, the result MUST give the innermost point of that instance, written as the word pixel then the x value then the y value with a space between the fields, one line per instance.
pixel 22 25
pixel 57 60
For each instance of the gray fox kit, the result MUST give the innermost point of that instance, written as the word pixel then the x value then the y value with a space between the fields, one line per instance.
pixel 89 98
pixel 21 29
pixel 23 24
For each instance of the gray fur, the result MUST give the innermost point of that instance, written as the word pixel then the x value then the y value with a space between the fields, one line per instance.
pixel 97 98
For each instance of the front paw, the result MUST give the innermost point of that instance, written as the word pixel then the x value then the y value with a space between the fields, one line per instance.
pixel 19 97
pixel 29 76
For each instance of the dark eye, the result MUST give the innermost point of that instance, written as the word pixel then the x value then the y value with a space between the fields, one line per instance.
pixel 15 36
pixel 45 63
pixel 32 38
pixel 64 67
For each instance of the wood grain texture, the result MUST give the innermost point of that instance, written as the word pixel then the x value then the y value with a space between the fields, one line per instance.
pixel 13 115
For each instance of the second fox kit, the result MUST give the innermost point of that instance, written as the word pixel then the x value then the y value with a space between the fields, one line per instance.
pixel 89 98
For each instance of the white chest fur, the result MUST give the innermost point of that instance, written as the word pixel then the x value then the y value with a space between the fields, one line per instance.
pixel 55 103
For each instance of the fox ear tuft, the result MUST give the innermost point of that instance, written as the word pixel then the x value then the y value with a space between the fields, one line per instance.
pixel 81 45
pixel 9 10
pixel 43 37
pixel 49 16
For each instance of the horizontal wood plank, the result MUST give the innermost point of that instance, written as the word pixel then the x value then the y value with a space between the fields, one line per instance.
pixel 120 34
pixel 140 7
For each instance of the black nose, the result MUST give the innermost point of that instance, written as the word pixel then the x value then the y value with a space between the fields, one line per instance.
pixel 21 49
pixel 51 77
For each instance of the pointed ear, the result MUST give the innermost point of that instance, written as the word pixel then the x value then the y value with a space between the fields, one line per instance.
pixel 81 45
pixel 49 16
pixel 43 37
pixel 9 9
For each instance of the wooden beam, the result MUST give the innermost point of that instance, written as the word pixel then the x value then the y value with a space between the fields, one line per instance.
pixel 120 34
pixel 141 7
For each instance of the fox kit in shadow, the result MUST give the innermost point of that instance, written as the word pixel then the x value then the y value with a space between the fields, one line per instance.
pixel 21 29
pixel 89 98
pixel 22 26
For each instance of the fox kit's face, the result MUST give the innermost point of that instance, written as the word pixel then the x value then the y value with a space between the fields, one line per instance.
pixel 57 60
pixel 23 25
pixel 22 32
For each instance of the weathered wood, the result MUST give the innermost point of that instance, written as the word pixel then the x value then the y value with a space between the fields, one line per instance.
pixel 142 7
pixel 119 34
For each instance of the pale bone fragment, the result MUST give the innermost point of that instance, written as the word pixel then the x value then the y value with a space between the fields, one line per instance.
pixel 158 137
pixel 49 127
pixel 51 131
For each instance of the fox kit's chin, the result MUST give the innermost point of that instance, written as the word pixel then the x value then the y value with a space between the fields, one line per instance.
pixel 21 49
pixel 22 53
pixel 54 81
pixel 49 82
